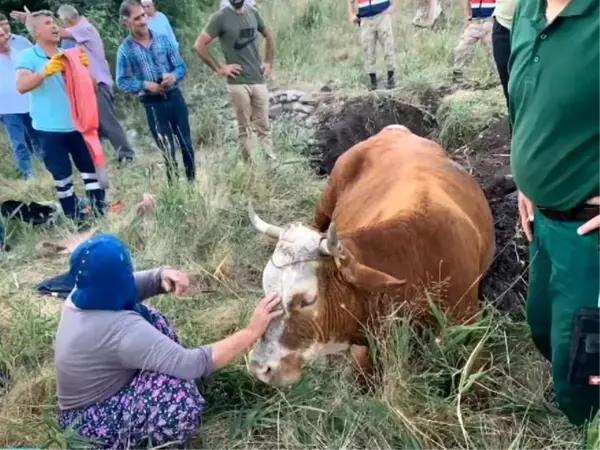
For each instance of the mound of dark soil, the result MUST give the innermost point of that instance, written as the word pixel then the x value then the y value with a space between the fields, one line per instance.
pixel 487 158
pixel 351 121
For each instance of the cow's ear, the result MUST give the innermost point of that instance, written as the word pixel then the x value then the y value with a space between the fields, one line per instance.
pixel 369 279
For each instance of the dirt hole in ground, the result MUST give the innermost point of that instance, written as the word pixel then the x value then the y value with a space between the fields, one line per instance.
pixel 343 125
pixel 350 121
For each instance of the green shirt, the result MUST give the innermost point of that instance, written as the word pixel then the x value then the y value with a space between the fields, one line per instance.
pixel 238 35
pixel 553 96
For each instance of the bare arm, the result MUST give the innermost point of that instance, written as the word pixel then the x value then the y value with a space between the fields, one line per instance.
pixel 227 350
pixel 269 46
pixel 202 48
pixel 64 34
pixel 393 6
pixel 27 80
pixel 468 11
pixel 351 9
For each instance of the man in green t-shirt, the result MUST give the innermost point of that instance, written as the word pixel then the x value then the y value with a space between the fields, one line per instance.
pixel 237 29
pixel 553 101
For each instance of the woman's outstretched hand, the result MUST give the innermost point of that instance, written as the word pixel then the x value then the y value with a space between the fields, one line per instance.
pixel 265 312
pixel 174 282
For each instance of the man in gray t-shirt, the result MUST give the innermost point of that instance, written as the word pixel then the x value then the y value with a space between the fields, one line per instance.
pixel 79 30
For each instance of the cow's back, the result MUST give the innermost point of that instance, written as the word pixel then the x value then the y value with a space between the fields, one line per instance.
pixel 408 210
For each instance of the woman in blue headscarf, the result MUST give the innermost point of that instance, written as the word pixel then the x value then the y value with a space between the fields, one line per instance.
pixel 123 379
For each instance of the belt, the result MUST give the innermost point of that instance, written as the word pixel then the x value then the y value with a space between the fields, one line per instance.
pixel 156 98
pixel 581 213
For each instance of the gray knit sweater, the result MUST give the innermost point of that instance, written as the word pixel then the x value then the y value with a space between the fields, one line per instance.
pixel 97 353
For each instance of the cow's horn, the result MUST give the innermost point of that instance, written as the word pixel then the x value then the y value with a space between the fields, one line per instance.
pixel 261 225
pixel 331 246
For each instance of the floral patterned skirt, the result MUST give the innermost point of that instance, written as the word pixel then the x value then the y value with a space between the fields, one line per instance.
pixel 153 409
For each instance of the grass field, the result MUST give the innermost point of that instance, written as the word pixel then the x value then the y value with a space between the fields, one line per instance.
pixel 206 232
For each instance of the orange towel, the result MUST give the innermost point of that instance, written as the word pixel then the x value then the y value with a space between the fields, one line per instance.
pixel 82 96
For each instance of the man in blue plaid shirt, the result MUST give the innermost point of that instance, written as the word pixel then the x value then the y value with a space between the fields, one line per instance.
pixel 149 65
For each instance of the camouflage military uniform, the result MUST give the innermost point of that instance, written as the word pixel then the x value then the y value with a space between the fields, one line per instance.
pixel 478 30
pixel 373 30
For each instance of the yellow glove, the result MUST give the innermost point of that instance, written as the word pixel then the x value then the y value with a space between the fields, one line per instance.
pixel 54 66
pixel 83 57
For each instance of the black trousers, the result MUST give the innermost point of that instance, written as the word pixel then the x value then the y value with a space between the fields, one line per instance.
pixel 168 120
pixel 501 50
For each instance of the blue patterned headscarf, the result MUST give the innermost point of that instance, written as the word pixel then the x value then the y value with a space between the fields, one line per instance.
pixel 104 277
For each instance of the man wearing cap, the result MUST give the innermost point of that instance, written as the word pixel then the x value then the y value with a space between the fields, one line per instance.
pixel 14 107
pixel 150 66
pixel 237 29
pixel 553 96
pixel 158 22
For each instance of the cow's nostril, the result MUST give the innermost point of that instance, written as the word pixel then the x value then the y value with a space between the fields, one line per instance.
pixel 267 370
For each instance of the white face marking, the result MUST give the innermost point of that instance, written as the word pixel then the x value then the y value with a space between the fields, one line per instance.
pixel 396 127
pixel 291 270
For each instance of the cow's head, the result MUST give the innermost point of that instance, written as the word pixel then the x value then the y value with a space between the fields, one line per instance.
pixel 320 284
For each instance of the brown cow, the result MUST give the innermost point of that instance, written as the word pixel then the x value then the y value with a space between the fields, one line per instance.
pixel 396 216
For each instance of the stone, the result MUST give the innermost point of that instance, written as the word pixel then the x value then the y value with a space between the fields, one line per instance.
pixel 293 96
pixel 288 107
pixel 308 99
pixel 311 121
pixel 275 111
pixel 301 107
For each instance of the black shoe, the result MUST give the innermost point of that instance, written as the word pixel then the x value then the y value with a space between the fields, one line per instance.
pixel 373 79
pixel 391 83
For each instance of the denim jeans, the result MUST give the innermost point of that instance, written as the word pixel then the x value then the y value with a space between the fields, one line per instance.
pixel 168 118
pixel 24 140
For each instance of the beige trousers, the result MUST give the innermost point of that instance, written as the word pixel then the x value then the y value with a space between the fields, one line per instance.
pixel 250 104
pixel 479 30
pixel 378 30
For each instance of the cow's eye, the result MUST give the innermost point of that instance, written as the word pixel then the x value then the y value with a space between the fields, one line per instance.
pixel 308 301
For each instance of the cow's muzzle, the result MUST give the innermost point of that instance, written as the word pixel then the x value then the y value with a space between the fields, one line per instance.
pixel 286 372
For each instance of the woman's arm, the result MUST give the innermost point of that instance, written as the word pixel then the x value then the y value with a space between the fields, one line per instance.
pixel 163 280
pixel 149 283
pixel 143 347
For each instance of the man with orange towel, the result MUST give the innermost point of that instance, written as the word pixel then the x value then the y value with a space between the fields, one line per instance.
pixel 39 71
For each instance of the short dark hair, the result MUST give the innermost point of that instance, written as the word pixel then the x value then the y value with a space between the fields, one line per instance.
pixel 3 18
pixel 125 9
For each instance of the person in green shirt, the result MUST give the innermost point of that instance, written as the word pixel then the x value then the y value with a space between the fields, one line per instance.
pixel 238 29
pixel 555 114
